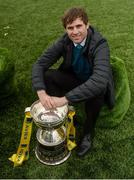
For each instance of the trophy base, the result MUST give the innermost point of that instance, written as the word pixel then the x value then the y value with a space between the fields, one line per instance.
pixel 51 159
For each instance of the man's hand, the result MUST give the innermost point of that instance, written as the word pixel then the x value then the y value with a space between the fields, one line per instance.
pixel 46 100
pixel 59 101
pixel 51 102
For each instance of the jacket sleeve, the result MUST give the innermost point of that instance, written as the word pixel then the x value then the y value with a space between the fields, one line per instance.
pixel 44 62
pixel 97 82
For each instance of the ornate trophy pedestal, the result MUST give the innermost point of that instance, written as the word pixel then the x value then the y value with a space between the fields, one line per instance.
pixel 51 147
pixel 51 136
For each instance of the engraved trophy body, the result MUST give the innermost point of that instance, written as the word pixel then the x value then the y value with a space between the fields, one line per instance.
pixel 51 135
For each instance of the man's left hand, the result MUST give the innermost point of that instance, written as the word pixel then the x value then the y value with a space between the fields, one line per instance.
pixel 59 101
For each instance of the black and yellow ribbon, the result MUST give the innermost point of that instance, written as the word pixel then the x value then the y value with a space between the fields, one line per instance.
pixel 23 150
pixel 71 132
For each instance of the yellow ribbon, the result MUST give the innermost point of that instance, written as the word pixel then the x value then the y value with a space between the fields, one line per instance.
pixel 71 131
pixel 23 150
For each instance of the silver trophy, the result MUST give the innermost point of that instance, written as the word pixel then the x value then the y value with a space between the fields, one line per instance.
pixel 51 135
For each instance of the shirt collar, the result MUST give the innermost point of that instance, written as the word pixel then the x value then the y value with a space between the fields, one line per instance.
pixel 82 43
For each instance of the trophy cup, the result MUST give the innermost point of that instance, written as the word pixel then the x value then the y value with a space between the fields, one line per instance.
pixel 51 135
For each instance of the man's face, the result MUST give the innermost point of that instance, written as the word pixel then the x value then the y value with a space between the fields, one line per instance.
pixel 77 30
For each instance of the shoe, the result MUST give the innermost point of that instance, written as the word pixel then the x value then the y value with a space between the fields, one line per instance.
pixel 84 146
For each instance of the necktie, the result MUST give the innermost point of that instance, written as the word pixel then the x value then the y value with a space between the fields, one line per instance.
pixel 79 46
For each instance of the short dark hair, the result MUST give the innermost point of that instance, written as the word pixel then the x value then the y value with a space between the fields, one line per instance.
pixel 72 14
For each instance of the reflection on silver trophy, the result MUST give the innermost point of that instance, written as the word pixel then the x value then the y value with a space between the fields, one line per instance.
pixel 51 135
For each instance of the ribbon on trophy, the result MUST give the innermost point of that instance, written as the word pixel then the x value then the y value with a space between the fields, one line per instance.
pixel 23 149
pixel 71 144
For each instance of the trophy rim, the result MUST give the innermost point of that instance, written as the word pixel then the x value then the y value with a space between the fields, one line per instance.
pixel 47 125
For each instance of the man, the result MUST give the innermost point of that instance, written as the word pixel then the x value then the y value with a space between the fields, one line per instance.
pixel 84 76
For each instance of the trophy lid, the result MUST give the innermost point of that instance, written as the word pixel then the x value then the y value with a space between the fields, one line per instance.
pixel 48 118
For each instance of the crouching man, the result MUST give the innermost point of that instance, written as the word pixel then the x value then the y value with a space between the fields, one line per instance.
pixel 85 74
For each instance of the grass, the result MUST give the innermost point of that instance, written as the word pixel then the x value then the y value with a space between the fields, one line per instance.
pixel 34 25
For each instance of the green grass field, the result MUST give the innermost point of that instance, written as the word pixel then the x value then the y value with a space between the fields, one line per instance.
pixel 27 28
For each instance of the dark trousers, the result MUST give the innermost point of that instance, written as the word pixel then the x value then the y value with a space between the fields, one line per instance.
pixel 58 83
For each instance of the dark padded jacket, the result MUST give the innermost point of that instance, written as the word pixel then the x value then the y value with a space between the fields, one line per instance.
pixel 96 51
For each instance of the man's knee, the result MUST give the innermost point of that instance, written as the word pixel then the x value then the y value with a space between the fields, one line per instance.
pixel 49 76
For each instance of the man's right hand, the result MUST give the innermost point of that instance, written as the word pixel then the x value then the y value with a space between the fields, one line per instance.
pixel 46 100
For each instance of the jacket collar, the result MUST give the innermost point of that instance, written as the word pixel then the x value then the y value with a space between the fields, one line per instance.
pixel 89 41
